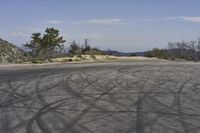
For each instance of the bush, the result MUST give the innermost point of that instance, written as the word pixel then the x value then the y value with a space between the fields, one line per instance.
pixel 159 53
pixel 37 61
pixel 70 60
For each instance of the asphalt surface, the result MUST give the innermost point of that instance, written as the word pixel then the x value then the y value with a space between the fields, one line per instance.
pixel 120 97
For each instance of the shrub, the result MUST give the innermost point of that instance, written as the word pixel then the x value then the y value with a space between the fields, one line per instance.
pixel 70 60
pixel 37 61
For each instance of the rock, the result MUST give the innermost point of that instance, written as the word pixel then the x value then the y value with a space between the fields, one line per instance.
pixel 9 53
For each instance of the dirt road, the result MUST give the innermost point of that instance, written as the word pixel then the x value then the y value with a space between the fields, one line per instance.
pixel 118 97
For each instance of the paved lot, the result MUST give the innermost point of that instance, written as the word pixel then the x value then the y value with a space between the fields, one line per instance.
pixel 151 97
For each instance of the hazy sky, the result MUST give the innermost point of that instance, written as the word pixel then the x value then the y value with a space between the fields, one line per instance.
pixel 124 25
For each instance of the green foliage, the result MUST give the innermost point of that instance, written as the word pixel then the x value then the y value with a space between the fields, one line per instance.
pixel 50 44
pixel 51 39
pixel 178 50
pixel 45 46
pixel 159 53
pixel 37 61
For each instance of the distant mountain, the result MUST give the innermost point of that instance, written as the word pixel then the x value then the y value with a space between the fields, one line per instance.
pixel 9 53
pixel 140 53
pixel 117 53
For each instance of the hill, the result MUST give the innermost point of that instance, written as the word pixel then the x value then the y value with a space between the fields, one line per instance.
pixel 9 53
pixel 117 53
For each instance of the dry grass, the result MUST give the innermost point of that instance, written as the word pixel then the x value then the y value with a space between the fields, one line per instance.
pixel 96 58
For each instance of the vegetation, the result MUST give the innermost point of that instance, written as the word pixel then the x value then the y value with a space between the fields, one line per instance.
pixel 74 48
pixel 50 45
pixel 159 53
pixel 178 50
pixel 77 49
pixel 46 46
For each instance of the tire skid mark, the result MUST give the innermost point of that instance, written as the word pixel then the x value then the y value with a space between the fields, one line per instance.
pixel 81 115
pixel 148 106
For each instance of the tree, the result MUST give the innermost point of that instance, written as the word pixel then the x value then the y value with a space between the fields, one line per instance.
pixel 46 46
pixel 74 48
pixel 35 44
pixel 51 40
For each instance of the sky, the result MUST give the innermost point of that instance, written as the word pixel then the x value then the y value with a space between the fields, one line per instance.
pixel 123 25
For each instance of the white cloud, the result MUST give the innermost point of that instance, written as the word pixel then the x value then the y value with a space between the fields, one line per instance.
pixel 115 21
pixel 106 21
pixel 18 34
pixel 185 18
pixel 145 20
pixel 54 21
